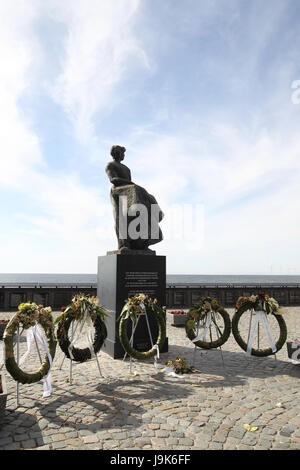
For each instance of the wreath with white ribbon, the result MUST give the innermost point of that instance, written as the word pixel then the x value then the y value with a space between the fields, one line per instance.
pixel 260 307
pixel 202 316
pixel 38 323
pixel 136 306
pixel 89 315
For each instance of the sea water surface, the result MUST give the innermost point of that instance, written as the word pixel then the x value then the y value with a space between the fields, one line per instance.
pixel 43 278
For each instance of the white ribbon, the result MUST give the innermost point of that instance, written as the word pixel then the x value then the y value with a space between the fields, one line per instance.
pixel 37 333
pixel 206 326
pixel 259 317
pixel 170 372
pixel 86 321
pixel 295 345
pixel 156 357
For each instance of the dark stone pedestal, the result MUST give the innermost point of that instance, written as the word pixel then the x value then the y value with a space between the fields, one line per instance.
pixel 121 277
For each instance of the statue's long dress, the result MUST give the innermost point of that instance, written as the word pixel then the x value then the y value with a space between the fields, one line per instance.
pixel 135 195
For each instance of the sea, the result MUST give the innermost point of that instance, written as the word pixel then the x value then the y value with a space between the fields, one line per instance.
pixel 35 278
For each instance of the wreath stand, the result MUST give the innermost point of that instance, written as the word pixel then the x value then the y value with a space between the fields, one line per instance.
pixel 202 349
pixel 17 342
pixel 71 360
pixel 249 334
pixel 133 328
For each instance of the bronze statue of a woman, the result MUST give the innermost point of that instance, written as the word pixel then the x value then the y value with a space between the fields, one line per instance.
pixel 136 212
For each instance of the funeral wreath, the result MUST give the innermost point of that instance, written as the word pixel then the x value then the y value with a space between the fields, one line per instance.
pixel 29 315
pixel 85 310
pixel 135 307
pixel 204 315
pixel 258 303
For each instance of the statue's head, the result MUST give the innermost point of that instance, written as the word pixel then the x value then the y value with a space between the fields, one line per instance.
pixel 117 152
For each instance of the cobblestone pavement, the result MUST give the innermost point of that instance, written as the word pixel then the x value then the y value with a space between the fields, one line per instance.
pixel 147 410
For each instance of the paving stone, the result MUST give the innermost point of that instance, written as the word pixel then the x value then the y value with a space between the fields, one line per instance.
pixel 220 437
pixel 120 435
pixel 90 439
pixel 153 426
pixel 185 441
pixel 58 437
pixel 288 430
pixel 171 441
pixel 43 423
pixel 153 412
pixel 269 431
pixel 5 440
pixel 71 434
pixel 201 445
pixel 74 443
pixel 177 434
pixel 231 444
pixel 215 446
pixel 28 444
pixel 58 445
pixel 250 439
pixel 162 433
pixel 244 447
pixel 143 441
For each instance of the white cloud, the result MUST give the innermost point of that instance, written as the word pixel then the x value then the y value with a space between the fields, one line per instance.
pixel 248 184
pixel 20 151
pixel 69 214
pixel 99 46
pixel 246 179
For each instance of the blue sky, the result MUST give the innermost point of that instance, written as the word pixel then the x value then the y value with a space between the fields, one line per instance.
pixel 199 92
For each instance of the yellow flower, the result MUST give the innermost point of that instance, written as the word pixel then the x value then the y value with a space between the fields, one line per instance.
pixel 190 324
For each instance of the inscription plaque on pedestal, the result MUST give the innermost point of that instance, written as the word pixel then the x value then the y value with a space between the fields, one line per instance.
pixel 121 277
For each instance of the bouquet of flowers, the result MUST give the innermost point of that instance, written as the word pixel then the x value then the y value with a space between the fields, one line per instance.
pixel 202 307
pixel 138 304
pixel 259 302
pixel 30 313
pixel 81 305
pixel 179 365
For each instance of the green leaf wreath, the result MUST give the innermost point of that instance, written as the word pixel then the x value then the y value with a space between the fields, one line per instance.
pixel 198 313
pixel 260 302
pixel 82 305
pixel 134 307
pixel 29 314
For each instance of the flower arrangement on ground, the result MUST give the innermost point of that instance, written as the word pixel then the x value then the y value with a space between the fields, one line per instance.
pixel 177 312
pixel 84 308
pixel 133 308
pixel 180 366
